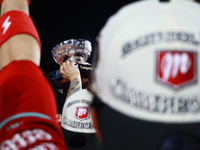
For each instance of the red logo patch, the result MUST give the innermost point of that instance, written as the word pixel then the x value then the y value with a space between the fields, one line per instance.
pixel 82 113
pixel 176 68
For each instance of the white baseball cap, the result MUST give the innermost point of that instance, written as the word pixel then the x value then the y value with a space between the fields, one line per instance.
pixel 148 63
pixel 76 114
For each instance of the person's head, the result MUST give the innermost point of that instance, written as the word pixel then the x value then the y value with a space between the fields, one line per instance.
pixel 145 79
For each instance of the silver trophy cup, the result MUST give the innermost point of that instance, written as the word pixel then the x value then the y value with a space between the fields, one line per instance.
pixel 74 50
pixel 78 50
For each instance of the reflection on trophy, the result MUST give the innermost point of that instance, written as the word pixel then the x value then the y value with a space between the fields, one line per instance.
pixel 75 50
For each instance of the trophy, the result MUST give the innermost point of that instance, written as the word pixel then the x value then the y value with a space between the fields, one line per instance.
pixel 75 50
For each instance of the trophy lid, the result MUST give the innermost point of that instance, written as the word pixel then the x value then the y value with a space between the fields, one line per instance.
pixel 72 47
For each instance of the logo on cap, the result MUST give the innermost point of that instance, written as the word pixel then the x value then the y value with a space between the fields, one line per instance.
pixel 82 113
pixel 176 69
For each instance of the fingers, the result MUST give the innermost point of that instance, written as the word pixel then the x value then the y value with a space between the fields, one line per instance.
pixel 67 64
pixel 69 71
pixel 61 69
pixel 73 63
pixel 64 66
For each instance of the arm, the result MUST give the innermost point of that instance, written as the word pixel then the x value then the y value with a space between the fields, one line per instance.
pixel 71 73
pixel 26 46
pixel 24 91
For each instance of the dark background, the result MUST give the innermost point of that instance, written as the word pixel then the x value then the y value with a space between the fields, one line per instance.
pixel 60 20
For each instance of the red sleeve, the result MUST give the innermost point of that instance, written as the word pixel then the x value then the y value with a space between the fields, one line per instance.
pixel 28 109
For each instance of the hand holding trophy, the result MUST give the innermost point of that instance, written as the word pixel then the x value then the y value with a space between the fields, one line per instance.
pixel 74 50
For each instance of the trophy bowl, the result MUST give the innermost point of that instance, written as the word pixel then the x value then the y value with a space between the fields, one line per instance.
pixel 78 49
